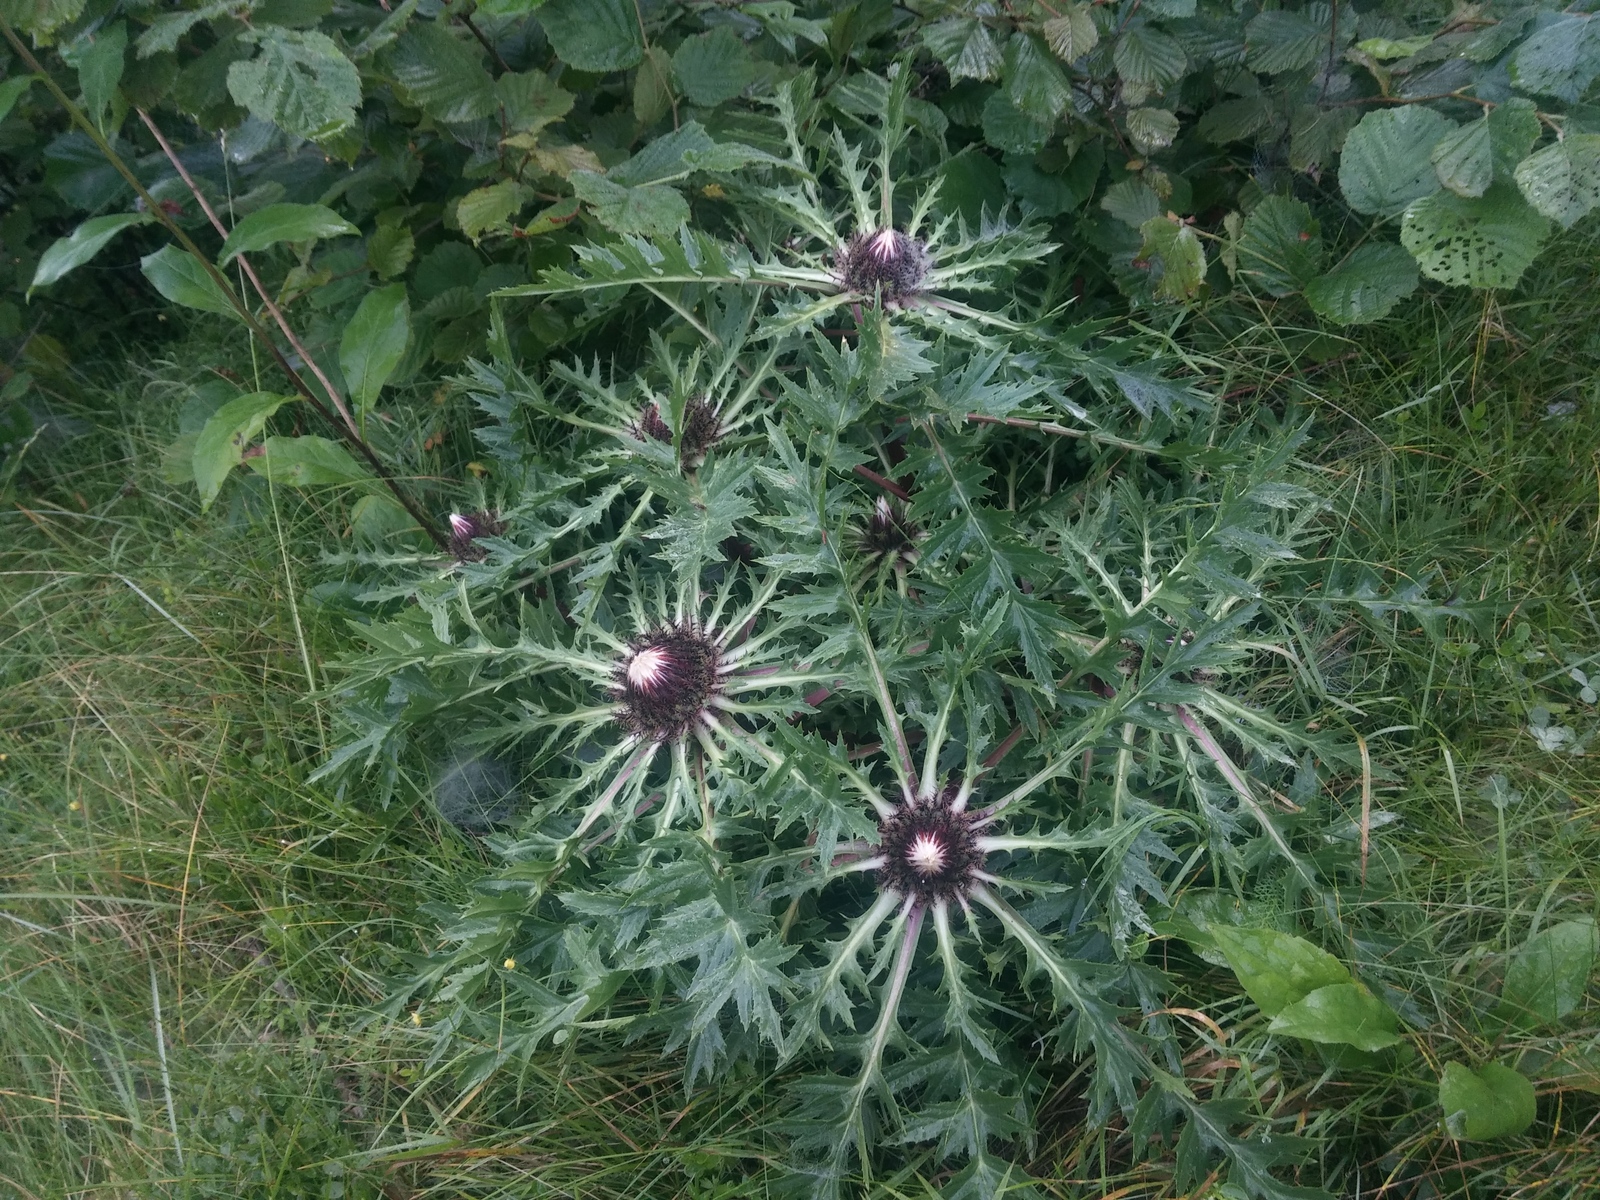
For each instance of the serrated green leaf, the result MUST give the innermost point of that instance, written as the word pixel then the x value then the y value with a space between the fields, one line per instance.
pixel 490 208
pixel 1316 135
pixel 374 342
pixel 1009 128
pixel 1463 159
pixel 1276 969
pixel 531 100
pixel 41 17
pixel 1513 129
pixel 1366 286
pixel 181 278
pixel 1176 259
pixel 1144 54
pixel 1560 60
pixel 1563 181
pixel 1236 120
pixel 1386 163
pixel 1484 243
pixel 965 47
pixel 652 87
pixel 1384 49
pixel 1034 81
pixel 1493 1101
pixel 221 443
pixel 1548 975
pixel 299 80
pixel 1341 1013
pixel 283 223
pixel 79 246
pixel 13 90
pixel 1072 34
pixel 441 74
pixel 594 35
pixel 165 31
pixel 1280 247
pixel 1283 40
pixel 308 461
pixel 1152 128
pixel 651 210
pixel 713 67
pixel 1132 201
pixel 99 66
pixel 389 250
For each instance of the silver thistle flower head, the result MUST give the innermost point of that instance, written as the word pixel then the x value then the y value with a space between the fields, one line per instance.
pixel 886 263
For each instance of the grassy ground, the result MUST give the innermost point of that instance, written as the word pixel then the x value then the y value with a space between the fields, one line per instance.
pixel 192 937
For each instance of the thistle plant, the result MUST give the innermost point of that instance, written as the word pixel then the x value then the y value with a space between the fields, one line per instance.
pixel 893 841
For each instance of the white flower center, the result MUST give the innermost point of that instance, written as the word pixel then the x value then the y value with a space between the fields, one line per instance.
pixel 884 245
pixel 926 854
pixel 648 667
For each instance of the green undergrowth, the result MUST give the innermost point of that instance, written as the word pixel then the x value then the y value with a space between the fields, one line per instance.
pixel 160 675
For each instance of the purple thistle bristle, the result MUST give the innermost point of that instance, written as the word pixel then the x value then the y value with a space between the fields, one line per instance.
pixel 702 429
pixel 666 682
pixel 929 850
pixel 466 528
pixel 889 534
pixel 885 262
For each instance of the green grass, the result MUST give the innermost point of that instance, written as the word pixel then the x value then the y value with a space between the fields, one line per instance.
pixel 158 840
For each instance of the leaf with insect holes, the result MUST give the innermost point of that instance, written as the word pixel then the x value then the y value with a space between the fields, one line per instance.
pixel 1562 59
pixel 1563 181
pixel 1484 243
pixel 1366 286
pixel 79 246
pixel 1491 1102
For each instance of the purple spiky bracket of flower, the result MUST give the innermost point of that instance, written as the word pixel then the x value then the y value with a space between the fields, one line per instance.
pixel 702 429
pixel 929 859
pixel 687 679
pixel 889 536
pixel 884 263
pixel 467 528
